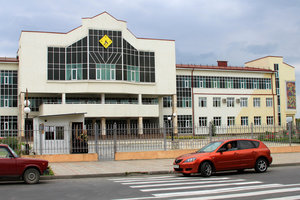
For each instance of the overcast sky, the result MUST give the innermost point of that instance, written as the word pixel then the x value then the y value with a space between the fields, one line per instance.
pixel 205 30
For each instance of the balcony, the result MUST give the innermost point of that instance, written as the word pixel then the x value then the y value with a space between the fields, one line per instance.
pixel 101 110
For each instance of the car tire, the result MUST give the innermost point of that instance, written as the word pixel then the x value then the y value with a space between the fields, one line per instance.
pixel 31 176
pixel 206 169
pixel 261 165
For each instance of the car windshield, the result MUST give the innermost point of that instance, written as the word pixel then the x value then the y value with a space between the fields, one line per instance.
pixel 210 147
pixel 13 152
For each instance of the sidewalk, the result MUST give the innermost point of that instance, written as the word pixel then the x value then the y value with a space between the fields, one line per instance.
pixel 123 168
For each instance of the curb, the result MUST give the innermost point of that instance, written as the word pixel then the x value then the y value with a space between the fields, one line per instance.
pixel 133 173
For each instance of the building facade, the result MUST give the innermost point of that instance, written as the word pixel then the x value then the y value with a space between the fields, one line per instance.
pixel 100 73
pixel 261 93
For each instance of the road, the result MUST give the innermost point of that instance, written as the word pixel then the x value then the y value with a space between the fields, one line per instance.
pixel 276 183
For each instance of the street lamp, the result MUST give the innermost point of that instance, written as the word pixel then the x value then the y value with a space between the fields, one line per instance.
pixel 26 111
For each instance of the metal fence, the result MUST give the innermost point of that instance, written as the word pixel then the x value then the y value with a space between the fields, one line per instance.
pixel 129 138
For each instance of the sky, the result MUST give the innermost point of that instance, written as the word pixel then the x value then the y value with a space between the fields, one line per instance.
pixel 204 30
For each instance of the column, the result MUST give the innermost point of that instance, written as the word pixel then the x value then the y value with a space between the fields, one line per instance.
pixel 140 99
pixel 21 116
pixel 174 113
pixel 161 114
pixel 102 98
pixel 140 125
pixel 103 127
pixel 63 98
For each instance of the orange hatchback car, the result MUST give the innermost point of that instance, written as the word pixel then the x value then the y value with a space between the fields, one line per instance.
pixel 237 154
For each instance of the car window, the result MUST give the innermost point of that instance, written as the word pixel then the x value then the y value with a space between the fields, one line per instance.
pixel 210 147
pixel 246 144
pixel 4 153
pixel 232 147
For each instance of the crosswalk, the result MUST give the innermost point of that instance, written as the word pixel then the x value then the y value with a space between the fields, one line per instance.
pixel 193 188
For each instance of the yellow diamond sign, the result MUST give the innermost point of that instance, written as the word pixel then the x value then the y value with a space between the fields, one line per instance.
pixel 105 41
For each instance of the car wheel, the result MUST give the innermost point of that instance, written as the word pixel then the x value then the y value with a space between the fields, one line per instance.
pixel 206 169
pixel 31 176
pixel 261 165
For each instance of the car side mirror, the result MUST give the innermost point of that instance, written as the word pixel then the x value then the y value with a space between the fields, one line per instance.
pixel 222 150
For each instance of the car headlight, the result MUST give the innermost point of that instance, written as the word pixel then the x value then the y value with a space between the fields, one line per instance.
pixel 190 160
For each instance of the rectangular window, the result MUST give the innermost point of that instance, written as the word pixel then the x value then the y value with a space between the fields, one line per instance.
pixel 216 101
pixel 6 126
pixel 268 84
pixel 244 102
pixel 217 121
pixel 202 121
pixel 255 85
pixel 230 84
pixel 256 102
pixel 244 121
pixel 98 73
pixel 270 120
pixel 6 102
pixel 242 84
pixel 201 84
pixel 230 121
pixel 202 101
pixel 49 133
pixel 59 133
pixel 6 80
pixel 167 101
pixel 269 102
pixel 230 101
pixel 257 121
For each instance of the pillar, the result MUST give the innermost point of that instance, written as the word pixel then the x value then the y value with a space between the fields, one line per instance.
pixel 140 99
pixel 63 98
pixel 102 98
pixel 140 126
pixel 21 117
pixel 174 113
pixel 160 107
pixel 103 126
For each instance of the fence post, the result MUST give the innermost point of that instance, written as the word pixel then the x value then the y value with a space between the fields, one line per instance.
pixel 96 139
pixel 210 132
pixel 290 124
pixel 165 136
pixel 252 130
pixel 115 138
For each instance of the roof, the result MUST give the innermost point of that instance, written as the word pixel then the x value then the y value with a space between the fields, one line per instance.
pixel 229 68
pixel 264 58
pixel 9 60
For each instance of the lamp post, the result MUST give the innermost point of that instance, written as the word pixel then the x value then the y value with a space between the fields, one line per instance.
pixel 26 111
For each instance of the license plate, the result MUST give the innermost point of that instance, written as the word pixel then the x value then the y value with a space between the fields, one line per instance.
pixel 176 166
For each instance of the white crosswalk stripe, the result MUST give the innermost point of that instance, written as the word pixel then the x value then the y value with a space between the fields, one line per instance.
pixel 192 188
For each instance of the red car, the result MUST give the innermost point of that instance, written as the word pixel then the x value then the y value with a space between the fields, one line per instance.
pixel 11 165
pixel 238 154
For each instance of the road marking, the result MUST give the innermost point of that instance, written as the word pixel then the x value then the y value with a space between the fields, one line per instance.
pixel 248 194
pixel 297 197
pixel 124 180
pixel 200 186
pixel 186 183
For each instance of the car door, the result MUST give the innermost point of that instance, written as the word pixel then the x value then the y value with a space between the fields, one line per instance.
pixel 247 153
pixel 7 162
pixel 226 160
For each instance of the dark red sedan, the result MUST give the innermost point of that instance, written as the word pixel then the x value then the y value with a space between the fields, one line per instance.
pixel 237 154
pixel 11 165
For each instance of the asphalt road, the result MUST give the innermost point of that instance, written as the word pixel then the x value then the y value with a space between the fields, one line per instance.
pixel 276 183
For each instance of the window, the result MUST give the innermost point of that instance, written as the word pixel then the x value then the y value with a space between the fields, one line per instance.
pixel 6 102
pixel 217 121
pixel 49 133
pixel 6 80
pixel 257 120
pixel 229 84
pixel 230 121
pixel 4 153
pixel 202 101
pixel 59 133
pixel 74 72
pixel 6 126
pixel 255 85
pixel 256 102
pixel 202 121
pixel 167 102
pixel 270 120
pixel 269 102
pixel 244 102
pixel 133 73
pixel 230 101
pixel 242 84
pixel 246 144
pixel 244 121
pixel 216 101
pixel 268 84
pixel 186 84
pixel 201 84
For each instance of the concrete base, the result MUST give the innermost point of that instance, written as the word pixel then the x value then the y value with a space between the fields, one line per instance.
pixel 88 157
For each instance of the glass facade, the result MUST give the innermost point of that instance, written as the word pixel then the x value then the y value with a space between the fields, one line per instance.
pixel 8 88
pixel 88 59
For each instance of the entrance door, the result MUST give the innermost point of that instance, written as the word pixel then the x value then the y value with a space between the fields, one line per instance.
pixel 79 138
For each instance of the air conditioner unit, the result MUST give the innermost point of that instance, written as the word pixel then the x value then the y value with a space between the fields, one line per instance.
pixel 238 100
pixel 224 100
